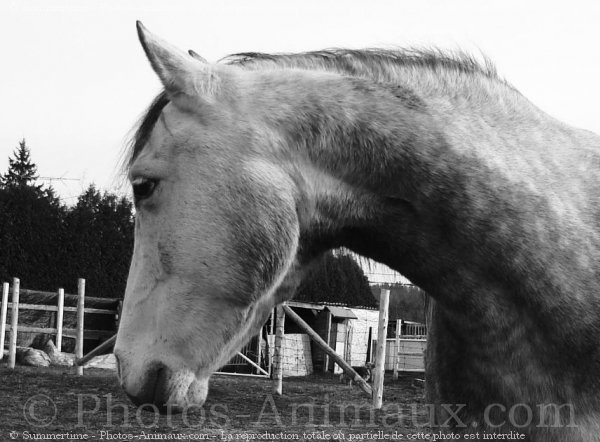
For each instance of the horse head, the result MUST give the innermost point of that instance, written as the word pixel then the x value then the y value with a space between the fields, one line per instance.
pixel 216 229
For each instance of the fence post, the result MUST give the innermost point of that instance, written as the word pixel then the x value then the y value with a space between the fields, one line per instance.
pixel 397 344
pixel 80 317
pixel 59 319
pixel 259 350
pixel 384 300
pixel 278 353
pixel 271 331
pixel 328 340
pixel 12 347
pixel 119 312
pixel 3 310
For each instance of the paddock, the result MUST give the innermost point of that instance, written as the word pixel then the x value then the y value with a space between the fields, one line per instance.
pixel 276 356
pixel 236 405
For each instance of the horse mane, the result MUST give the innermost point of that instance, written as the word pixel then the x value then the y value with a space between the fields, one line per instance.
pixel 374 63
pixel 380 65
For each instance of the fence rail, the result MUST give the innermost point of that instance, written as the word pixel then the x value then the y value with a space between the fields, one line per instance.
pixel 55 308
pixel 79 333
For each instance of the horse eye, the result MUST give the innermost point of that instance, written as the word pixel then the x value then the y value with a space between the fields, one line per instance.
pixel 143 188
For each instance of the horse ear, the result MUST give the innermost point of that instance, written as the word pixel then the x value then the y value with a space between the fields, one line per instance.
pixel 195 55
pixel 178 72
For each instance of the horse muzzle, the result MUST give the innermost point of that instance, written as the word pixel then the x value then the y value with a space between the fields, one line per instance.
pixel 156 387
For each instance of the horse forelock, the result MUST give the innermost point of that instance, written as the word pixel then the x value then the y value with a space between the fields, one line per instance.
pixel 144 128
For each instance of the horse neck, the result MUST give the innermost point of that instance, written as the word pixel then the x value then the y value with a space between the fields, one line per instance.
pixel 425 183
pixel 388 161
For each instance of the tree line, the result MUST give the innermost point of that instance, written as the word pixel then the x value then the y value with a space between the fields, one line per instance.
pixel 48 244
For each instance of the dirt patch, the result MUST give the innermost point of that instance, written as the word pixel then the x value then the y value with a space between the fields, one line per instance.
pixel 55 400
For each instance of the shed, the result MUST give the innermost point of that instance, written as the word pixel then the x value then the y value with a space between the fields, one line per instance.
pixel 350 331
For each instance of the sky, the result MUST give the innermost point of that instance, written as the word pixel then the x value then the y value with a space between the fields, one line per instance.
pixel 74 78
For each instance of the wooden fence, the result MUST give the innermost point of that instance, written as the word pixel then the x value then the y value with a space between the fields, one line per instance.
pixel 79 333
pixel 407 349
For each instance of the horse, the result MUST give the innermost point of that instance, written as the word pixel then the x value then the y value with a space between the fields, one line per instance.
pixel 247 170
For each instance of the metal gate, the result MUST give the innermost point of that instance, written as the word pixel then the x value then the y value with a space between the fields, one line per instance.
pixel 252 360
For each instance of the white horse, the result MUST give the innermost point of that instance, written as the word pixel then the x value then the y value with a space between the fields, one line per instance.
pixel 244 172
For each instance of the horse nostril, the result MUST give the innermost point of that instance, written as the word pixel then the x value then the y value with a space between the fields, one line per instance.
pixel 161 383
pixel 161 386
pixel 154 388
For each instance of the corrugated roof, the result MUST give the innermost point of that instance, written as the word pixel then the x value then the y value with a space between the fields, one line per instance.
pixel 341 312
pixel 309 305
pixel 323 305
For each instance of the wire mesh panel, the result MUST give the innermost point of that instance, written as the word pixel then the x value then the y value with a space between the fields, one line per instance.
pixel 296 357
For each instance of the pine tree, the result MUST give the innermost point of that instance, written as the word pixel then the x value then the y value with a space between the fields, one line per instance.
pixel 31 224
pixel 21 170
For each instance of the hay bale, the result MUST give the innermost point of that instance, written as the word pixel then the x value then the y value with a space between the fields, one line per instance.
pixel 32 357
pixel 58 358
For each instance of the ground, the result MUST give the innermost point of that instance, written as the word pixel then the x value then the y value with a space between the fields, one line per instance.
pixel 43 401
